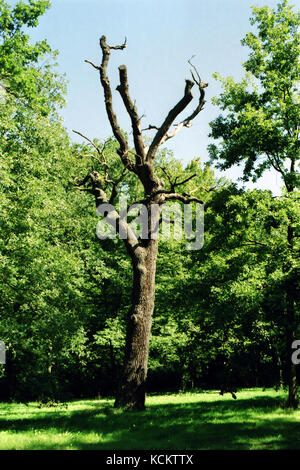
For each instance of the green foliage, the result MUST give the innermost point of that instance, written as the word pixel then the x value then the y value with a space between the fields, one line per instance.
pixel 43 273
pixel 259 130
pixel 260 127
pixel 26 70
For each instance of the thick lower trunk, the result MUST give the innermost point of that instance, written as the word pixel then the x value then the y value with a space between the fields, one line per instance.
pixel 132 392
pixel 292 383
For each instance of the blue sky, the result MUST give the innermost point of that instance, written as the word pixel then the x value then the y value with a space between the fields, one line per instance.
pixel 161 36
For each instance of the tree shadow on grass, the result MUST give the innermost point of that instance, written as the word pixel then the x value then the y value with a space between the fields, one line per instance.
pixel 219 424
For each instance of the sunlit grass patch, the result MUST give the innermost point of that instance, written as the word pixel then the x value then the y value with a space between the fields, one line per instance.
pixel 204 420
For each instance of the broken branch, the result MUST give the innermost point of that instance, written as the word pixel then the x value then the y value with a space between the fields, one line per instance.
pixel 172 115
pixel 123 89
pixel 123 150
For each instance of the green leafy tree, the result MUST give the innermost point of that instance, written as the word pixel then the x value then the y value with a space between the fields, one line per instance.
pixel 260 129
pixel 22 73
pixel 42 309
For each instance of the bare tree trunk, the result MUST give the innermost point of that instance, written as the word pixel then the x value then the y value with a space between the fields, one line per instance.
pixel 132 392
pixel 292 382
pixel 143 251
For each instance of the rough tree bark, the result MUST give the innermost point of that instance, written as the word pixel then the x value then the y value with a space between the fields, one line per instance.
pixel 133 388
pixel 142 250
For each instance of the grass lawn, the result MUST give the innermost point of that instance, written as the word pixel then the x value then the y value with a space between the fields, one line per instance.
pixel 189 421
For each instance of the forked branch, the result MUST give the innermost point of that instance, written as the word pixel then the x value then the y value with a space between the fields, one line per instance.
pixel 142 165
pixel 123 150
pixel 159 137
pixel 175 183
pixel 93 184
pixel 102 161
pixel 163 133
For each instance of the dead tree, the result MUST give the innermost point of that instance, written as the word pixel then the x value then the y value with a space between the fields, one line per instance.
pixel 142 250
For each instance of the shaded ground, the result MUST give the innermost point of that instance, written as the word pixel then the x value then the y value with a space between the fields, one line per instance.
pixel 256 420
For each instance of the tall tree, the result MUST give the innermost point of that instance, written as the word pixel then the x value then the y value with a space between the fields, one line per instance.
pixel 41 306
pixel 157 191
pixel 260 129
pixel 22 74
